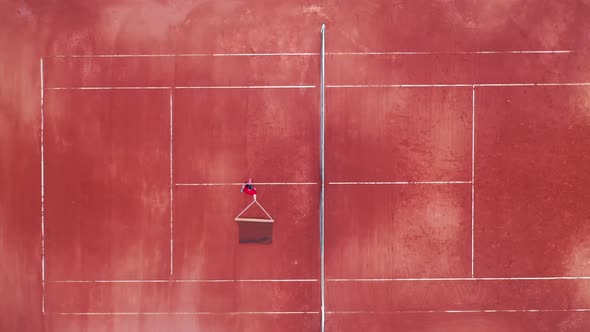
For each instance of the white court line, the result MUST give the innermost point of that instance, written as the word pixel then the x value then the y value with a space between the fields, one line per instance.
pixel 186 55
pixel 322 176
pixel 333 86
pixel 183 87
pixel 317 312
pixel 454 52
pixel 248 280
pixel 42 189
pixel 459 311
pixel 533 84
pixel 342 86
pixel 249 87
pixel 187 313
pixel 399 182
pixel 171 191
pixel 241 183
pixel 457 279
pixel 473 182
pixel 307 54
pixel 111 88
pixel 331 280
pixel 459 85
pixel 179 281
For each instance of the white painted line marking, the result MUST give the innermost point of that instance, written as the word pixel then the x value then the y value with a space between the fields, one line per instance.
pixel 249 280
pixel 454 53
pixel 323 177
pixel 399 182
pixel 308 54
pixel 460 85
pixel 186 55
pixel 334 86
pixel 532 84
pixel 341 86
pixel 42 188
pixel 241 183
pixel 473 182
pixel 249 87
pixel 184 87
pixel 111 88
pixel 458 311
pixel 171 191
pixel 327 312
pixel 330 280
pixel 188 313
pixel 181 281
pixel 457 279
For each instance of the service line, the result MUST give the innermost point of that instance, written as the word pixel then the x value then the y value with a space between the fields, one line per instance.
pixel 456 279
pixel 473 182
pixel 171 188
pixel 331 86
pixel 42 134
pixel 399 182
pixel 266 54
pixel 186 313
pixel 137 281
pixel 255 183
pixel 458 311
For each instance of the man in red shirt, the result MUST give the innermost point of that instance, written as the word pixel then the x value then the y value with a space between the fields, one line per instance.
pixel 249 189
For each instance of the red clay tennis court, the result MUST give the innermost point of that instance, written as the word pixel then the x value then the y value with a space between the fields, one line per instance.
pixel 425 164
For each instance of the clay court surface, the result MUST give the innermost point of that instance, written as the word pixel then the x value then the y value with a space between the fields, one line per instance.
pixel 456 146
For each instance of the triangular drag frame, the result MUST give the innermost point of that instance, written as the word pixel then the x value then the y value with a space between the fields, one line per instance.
pixel 239 218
